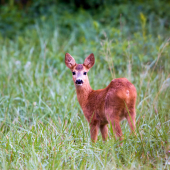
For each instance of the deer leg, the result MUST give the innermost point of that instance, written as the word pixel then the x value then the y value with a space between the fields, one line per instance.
pixel 104 131
pixel 131 115
pixel 113 117
pixel 116 128
pixel 94 129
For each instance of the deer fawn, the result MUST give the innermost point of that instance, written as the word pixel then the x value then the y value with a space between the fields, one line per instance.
pixel 103 106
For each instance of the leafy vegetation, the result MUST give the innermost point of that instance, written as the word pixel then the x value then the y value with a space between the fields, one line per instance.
pixel 41 123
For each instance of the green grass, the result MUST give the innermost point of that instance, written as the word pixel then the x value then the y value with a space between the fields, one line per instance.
pixel 41 123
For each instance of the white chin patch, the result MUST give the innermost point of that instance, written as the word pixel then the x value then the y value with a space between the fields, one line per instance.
pixel 79 84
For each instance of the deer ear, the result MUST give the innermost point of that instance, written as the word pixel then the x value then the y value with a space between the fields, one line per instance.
pixel 89 61
pixel 69 61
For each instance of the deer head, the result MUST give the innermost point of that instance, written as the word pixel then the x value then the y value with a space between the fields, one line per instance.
pixel 79 71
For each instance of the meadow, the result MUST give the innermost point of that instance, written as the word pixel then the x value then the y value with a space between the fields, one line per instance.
pixel 41 123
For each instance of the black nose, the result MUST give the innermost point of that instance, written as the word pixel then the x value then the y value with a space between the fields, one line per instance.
pixel 79 81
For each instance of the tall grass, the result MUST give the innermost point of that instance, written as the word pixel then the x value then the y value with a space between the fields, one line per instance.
pixel 41 123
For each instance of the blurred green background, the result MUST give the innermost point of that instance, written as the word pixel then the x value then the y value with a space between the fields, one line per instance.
pixel 68 15
pixel 76 22
pixel 41 123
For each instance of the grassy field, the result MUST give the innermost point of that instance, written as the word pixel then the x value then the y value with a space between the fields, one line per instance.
pixel 41 123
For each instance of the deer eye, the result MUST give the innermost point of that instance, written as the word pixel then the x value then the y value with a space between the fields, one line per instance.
pixel 85 73
pixel 74 73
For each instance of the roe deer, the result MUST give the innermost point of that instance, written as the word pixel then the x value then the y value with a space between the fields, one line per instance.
pixel 103 106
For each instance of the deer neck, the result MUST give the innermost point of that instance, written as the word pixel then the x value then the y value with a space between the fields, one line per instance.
pixel 83 93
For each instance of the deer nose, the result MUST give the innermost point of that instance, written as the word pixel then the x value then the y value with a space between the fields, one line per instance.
pixel 79 81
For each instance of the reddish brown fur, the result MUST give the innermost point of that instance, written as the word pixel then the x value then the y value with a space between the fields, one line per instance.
pixel 108 105
pixel 79 67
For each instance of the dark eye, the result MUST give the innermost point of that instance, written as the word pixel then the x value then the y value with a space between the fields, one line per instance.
pixel 74 73
pixel 85 73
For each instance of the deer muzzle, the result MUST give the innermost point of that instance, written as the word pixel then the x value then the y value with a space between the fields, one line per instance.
pixel 79 81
